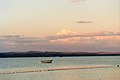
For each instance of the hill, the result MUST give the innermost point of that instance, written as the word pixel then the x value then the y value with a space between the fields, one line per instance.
pixel 55 54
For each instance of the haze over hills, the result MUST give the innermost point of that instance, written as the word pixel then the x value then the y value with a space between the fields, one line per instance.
pixel 55 54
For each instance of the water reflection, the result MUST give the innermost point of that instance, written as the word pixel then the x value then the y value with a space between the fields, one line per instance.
pixel 78 74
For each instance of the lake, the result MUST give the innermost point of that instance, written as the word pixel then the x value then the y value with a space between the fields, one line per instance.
pixel 84 73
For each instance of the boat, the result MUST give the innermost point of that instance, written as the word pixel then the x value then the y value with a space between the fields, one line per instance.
pixel 46 61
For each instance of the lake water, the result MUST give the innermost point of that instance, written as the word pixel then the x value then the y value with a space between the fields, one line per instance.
pixel 34 63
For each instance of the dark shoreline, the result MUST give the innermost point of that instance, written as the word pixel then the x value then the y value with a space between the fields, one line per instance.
pixel 55 54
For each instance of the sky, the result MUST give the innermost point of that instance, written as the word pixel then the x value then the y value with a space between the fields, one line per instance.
pixel 60 25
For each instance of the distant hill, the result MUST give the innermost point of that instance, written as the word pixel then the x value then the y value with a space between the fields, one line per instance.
pixel 55 54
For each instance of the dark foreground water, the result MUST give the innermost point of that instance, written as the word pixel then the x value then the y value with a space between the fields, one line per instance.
pixel 24 64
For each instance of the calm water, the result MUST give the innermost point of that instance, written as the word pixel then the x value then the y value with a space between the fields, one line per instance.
pixel 61 62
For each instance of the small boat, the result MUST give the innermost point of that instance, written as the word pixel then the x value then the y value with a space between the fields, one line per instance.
pixel 46 61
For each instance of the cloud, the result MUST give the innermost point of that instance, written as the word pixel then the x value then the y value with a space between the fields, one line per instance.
pixel 20 39
pixel 84 22
pixel 12 36
pixel 91 43
pixel 63 40
pixel 87 40
pixel 72 40
pixel 66 32
pixel 77 0
pixel 71 34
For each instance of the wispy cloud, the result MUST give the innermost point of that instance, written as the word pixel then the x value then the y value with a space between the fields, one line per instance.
pixel 84 22
pixel 77 0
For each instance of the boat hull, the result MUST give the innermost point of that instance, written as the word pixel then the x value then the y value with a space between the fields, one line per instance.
pixel 46 61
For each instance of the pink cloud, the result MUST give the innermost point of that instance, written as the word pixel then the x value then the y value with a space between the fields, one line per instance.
pixel 66 32
pixel 73 40
pixel 64 40
pixel 108 38
pixel 88 40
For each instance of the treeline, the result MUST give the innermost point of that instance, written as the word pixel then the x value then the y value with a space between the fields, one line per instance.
pixel 53 54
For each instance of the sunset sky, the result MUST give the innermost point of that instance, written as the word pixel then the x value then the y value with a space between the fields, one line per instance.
pixel 59 25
